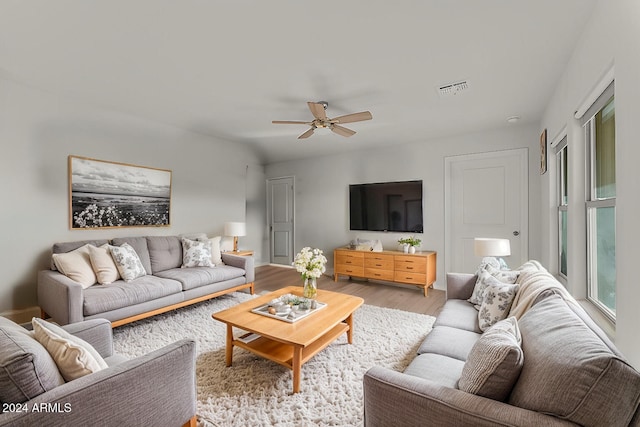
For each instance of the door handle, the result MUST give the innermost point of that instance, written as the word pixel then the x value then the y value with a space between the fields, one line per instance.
pixel 516 233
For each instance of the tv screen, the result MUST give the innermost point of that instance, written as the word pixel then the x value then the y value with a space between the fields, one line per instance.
pixel 386 206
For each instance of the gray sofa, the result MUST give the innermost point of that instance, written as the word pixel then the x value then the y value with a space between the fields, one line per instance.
pixel 165 287
pixel 571 373
pixel 157 389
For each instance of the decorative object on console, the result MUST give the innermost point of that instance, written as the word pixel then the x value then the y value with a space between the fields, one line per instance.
pixel 311 264
pixel 490 247
pixel 235 229
pixel 409 244
pixel 131 196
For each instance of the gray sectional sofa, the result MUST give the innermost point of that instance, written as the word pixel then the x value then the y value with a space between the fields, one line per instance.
pixel 166 286
pixel 156 389
pixel 571 373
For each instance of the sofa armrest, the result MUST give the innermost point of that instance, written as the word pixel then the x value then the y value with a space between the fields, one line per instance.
pixel 244 262
pixel 157 389
pixel 60 297
pixel 97 332
pixel 394 398
pixel 460 285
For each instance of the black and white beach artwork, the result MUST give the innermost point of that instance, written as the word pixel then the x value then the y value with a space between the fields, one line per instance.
pixel 108 194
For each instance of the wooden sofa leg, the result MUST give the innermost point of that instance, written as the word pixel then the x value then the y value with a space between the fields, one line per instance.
pixel 191 423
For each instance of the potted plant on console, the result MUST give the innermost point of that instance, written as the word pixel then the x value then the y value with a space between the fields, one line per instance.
pixel 409 244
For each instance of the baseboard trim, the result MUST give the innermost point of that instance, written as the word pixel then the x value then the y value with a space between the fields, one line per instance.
pixel 22 316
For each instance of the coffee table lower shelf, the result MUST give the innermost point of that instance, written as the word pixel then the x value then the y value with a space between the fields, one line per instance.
pixel 287 355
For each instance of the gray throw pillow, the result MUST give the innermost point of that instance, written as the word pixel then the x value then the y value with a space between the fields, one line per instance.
pixel 26 368
pixel 494 362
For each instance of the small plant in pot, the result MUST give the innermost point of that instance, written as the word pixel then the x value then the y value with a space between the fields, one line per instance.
pixel 409 244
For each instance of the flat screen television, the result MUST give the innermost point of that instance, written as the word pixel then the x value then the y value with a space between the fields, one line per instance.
pixel 386 206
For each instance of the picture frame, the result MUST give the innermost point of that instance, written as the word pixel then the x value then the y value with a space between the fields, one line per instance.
pixel 104 194
pixel 543 152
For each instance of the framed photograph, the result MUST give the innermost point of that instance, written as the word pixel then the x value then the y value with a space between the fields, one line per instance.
pixel 106 194
pixel 543 152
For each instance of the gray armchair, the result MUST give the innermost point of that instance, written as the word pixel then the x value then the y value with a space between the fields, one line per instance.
pixel 155 389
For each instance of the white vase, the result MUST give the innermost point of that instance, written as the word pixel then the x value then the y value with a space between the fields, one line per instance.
pixel 412 249
pixel 405 248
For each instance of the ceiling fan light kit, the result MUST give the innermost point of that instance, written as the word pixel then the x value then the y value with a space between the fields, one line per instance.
pixel 321 121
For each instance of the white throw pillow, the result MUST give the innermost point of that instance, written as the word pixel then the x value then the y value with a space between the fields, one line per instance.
pixel 74 357
pixel 196 253
pixel 103 265
pixel 216 254
pixel 494 362
pixel 226 244
pixel 496 302
pixel 127 261
pixel 76 265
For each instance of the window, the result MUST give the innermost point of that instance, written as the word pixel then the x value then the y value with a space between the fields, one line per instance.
pixel 562 166
pixel 601 204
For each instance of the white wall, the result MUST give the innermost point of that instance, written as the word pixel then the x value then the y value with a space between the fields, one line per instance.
pixel 322 194
pixel 38 131
pixel 610 38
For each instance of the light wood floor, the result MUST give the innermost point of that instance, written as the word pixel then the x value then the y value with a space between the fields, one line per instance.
pixel 401 297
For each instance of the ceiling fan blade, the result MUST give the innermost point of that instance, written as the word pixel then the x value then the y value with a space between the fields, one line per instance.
pixel 317 110
pixel 341 130
pixel 307 134
pixel 290 122
pixel 355 117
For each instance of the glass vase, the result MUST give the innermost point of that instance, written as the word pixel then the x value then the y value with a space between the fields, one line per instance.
pixel 310 288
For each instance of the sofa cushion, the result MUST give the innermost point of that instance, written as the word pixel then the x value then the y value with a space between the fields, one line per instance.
pixel 76 265
pixel 26 368
pixel 139 244
pixel 196 253
pixel 99 299
pixel 569 372
pixel 103 264
pixel 458 314
pixel 74 357
pixel 195 277
pixel 448 341
pixel 440 369
pixel 128 262
pixel 496 302
pixel 495 362
pixel 165 252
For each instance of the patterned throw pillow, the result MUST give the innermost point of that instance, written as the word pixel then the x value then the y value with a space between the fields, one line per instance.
pixel 484 273
pixel 494 362
pixel 196 253
pixel 496 302
pixel 128 262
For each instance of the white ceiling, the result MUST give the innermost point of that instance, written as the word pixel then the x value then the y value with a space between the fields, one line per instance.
pixel 226 68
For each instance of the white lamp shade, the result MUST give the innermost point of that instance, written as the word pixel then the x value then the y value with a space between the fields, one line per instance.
pixel 487 247
pixel 235 229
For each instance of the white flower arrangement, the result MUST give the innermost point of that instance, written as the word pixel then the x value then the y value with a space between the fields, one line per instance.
pixel 310 262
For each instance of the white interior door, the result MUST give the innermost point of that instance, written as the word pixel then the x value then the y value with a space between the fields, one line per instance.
pixel 486 195
pixel 280 217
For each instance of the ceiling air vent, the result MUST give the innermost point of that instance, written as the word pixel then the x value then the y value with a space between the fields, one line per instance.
pixel 453 89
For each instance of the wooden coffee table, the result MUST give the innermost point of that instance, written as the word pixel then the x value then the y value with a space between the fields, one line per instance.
pixel 290 344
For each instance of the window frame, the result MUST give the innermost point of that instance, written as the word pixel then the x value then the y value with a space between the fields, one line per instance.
pixel 562 203
pixel 593 202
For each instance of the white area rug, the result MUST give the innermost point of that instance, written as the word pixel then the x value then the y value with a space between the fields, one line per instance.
pixel 257 392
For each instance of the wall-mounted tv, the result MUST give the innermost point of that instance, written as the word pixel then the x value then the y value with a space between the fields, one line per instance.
pixel 386 206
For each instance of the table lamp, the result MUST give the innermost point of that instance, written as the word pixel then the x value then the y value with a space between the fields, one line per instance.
pixel 489 247
pixel 235 229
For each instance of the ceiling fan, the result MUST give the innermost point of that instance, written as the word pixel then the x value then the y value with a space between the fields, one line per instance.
pixel 322 121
